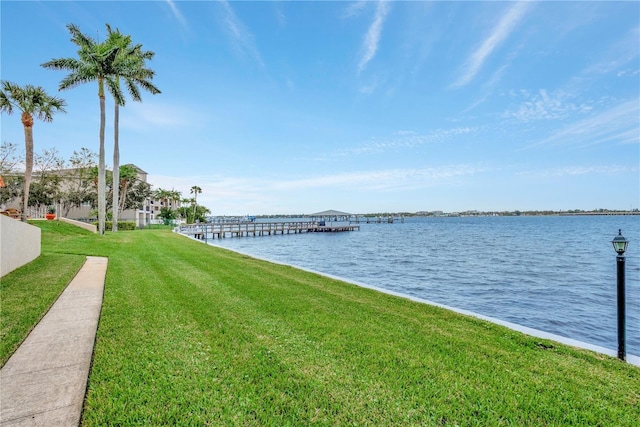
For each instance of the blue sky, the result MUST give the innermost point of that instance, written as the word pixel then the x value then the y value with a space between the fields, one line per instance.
pixel 297 107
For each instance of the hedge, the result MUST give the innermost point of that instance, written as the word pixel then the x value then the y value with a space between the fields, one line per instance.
pixel 122 225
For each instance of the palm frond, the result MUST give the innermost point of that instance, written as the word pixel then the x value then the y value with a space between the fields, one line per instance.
pixel 148 86
pixel 75 79
pixel 116 57
pixel 129 64
pixel 78 38
pixel 30 99
pixel 5 101
pixel 133 90
pixel 114 89
pixel 63 64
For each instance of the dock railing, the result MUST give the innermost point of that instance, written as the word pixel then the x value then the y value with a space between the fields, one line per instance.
pixel 211 231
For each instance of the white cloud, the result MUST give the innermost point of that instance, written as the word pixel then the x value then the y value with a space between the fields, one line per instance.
pixel 499 34
pixel 241 36
pixel 546 105
pixel 387 179
pixel 619 124
pixel 582 170
pixel 370 87
pixel 177 14
pixel 260 194
pixel 354 9
pixel 145 115
pixel 408 139
pixel 628 72
pixel 372 38
pixel 487 88
pixel 618 55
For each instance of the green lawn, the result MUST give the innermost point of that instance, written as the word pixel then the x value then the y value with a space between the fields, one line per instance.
pixel 196 335
pixel 27 293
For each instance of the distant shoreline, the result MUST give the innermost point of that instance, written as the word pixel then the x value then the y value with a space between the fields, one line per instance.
pixel 602 213
pixel 470 213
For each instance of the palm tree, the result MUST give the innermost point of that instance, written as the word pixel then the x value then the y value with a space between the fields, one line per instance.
pixel 30 101
pixel 95 62
pixel 174 197
pixel 185 211
pixel 130 66
pixel 167 199
pixel 195 190
pixel 127 174
pixel 163 196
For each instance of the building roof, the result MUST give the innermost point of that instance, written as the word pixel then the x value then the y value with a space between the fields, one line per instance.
pixel 330 212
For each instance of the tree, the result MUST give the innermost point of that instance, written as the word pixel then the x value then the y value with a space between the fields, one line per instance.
pixel 162 195
pixel 136 195
pixel 48 166
pixel 11 180
pixel 127 175
pixel 78 179
pixel 195 190
pixel 130 67
pixel 39 195
pixel 187 209
pixel 30 101
pixel 201 214
pixel 13 187
pixel 95 62
pixel 8 157
pixel 167 199
pixel 193 212
pixel 132 191
pixel 174 197
pixel 167 214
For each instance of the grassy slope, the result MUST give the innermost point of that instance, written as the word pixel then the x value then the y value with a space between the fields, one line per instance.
pixel 195 335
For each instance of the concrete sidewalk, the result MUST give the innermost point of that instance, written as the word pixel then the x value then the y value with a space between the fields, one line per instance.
pixel 44 381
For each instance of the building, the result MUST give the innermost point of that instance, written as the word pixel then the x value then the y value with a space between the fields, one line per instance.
pixel 147 214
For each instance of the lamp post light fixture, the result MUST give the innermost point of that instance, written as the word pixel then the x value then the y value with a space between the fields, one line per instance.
pixel 620 246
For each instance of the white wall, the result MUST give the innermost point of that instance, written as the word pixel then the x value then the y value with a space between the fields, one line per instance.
pixel 19 244
pixel 92 228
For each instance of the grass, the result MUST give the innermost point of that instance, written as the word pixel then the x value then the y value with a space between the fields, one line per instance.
pixel 196 335
pixel 26 294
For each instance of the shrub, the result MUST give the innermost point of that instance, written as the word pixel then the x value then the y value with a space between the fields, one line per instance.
pixel 122 225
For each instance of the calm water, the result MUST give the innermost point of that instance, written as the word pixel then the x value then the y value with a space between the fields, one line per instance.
pixel 556 274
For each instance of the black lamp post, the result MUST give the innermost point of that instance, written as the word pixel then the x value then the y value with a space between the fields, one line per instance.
pixel 620 246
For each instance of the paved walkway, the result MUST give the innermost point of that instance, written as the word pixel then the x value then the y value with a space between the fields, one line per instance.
pixel 44 381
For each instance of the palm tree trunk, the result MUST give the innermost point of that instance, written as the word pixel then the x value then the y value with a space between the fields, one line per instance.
pixel 116 168
pixel 195 204
pixel 27 122
pixel 102 213
pixel 123 195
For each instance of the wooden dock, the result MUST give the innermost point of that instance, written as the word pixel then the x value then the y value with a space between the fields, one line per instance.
pixel 245 229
